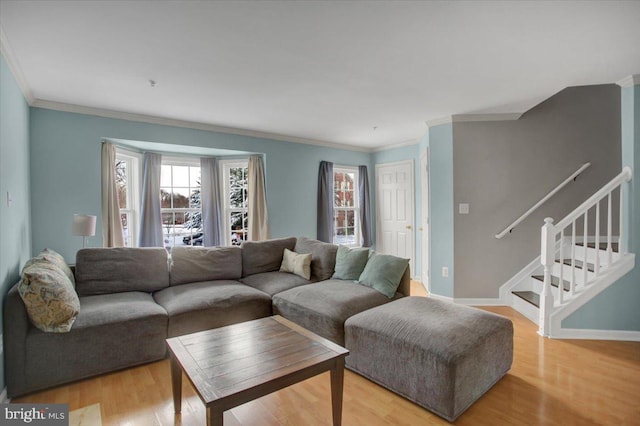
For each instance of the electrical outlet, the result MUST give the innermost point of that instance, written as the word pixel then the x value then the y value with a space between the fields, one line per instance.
pixel 445 272
pixel 463 208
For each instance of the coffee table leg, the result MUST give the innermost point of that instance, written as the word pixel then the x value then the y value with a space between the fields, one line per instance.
pixel 214 416
pixel 176 384
pixel 337 382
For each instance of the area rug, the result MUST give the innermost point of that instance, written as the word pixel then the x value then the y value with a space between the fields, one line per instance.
pixel 86 416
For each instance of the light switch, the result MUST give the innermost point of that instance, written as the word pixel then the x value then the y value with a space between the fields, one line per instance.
pixel 445 272
pixel 9 199
pixel 463 208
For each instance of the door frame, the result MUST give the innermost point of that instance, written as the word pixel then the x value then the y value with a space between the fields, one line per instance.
pixel 412 198
pixel 425 227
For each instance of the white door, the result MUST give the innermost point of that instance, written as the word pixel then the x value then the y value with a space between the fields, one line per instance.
pixel 394 210
pixel 424 223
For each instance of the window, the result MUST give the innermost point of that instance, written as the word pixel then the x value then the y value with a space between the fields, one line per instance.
pixel 346 206
pixel 180 202
pixel 128 184
pixel 235 199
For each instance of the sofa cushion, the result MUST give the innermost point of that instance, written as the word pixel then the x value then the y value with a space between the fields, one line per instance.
pixel 122 269
pixel 264 256
pixel 350 263
pixel 50 256
pixel 274 282
pixel 383 272
pixel 194 264
pixel 211 304
pixel 323 257
pixel 324 307
pixel 296 263
pixel 49 297
pixel 112 331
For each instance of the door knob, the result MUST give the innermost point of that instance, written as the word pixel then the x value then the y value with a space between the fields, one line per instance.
pixel 408 226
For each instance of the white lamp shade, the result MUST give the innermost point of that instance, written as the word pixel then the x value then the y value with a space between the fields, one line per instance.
pixel 84 225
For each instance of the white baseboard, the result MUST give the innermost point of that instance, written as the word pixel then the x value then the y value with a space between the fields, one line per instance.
pixel 3 397
pixel 438 297
pixel 585 334
pixel 481 301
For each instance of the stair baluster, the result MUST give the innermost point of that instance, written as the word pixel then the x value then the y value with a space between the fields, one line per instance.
pixel 609 232
pixel 561 285
pixel 597 244
pixel 585 239
pixel 547 259
pixel 572 285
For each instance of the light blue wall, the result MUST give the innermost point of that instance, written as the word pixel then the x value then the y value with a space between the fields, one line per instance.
pixel 616 308
pixel 441 208
pixel 404 153
pixel 65 172
pixel 15 224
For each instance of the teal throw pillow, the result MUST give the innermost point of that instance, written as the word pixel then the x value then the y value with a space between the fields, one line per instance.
pixel 350 263
pixel 383 273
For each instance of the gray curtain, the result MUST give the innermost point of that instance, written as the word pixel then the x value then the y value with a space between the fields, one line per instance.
pixel 150 214
pixel 211 202
pixel 112 235
pixel 365 206
pixel 325 202
pixel 257 202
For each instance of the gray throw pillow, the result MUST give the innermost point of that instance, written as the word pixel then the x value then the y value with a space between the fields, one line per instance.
pixel 350 263
pixel 383 273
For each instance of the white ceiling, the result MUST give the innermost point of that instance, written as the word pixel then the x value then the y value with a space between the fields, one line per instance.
pixel 316 71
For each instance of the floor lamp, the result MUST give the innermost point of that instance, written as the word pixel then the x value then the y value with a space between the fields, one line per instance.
pixel 84 226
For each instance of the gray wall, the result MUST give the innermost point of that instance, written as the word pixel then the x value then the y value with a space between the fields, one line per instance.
pixel 503 168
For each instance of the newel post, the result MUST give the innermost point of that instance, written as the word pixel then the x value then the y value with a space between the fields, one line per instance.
pixel 547 256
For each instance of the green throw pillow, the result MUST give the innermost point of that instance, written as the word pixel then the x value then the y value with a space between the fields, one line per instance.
pixel 383 273
pixel 350 263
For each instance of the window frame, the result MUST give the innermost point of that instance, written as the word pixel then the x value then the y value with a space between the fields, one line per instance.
pixel 356 205
pixel 225 167
pixel 133 187
pixel 179 162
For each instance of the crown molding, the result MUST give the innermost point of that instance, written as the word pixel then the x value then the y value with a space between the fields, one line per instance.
pixel 466 118
pixel 14 66
pixel 438 121
pixel 142 118
pixel 630 80
pixel 410 142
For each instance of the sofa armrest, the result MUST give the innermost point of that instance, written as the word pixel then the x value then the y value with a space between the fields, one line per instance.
pixel 16 327
pixel 405 283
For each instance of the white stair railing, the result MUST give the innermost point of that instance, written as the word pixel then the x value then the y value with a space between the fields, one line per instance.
pixel 544 199
pixel 553 236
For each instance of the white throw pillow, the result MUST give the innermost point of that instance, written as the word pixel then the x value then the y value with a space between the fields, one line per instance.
pixel 296 263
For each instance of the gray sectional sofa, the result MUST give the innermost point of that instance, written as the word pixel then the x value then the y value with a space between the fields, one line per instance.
pixel 437 354
pixel 132 299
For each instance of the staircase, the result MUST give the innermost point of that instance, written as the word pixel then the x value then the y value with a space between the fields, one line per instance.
pixel 580 257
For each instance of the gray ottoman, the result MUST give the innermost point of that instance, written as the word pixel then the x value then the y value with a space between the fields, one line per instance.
pixel 437 354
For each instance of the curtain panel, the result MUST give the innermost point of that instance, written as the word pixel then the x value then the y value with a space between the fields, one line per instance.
pixel 150 214
pixel 325 202
pixel 257 202
pixel 211 202
pixel 112 234
pixel 365 206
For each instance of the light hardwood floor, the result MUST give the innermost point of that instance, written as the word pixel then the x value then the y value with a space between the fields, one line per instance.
pixel 552 382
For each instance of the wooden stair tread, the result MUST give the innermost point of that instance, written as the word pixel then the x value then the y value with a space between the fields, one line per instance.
pixel 555 281
pixel 602 246
pixel 529 296
pixel 590 266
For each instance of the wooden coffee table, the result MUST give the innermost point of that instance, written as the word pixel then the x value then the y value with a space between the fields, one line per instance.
pixel 232 365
